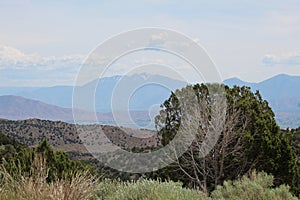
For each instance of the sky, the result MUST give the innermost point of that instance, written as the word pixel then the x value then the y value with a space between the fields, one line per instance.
pixel 43 43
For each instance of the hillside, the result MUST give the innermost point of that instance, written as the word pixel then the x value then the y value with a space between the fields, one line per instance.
pixel 14 107
pixel 20 108
pixel 64 136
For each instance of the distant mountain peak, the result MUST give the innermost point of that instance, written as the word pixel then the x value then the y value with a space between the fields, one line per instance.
pixel 234 81
pixel 282 79
pixel 282 75
pixel 279 77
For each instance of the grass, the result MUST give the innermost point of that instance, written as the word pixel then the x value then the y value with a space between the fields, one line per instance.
pixel 82 186
pixel 34 185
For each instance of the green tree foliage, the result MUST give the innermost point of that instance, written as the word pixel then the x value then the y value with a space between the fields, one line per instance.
pixel 59 162
pixel 20 159
pixel 8 147
pixel 256 141
pixel 296 138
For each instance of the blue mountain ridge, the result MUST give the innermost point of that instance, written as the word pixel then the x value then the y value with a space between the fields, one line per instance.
pixel 281 91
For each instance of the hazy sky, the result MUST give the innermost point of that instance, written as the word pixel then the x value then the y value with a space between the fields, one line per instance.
pixel 44 42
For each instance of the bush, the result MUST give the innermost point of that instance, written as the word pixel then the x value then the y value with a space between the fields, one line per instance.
pixel 146 189
pixel 35 185
pixel 257 186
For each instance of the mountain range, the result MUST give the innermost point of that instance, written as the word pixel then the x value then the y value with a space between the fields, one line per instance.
pixel 142 99
pixel 281 91
pixel 18 108
pixel 54 103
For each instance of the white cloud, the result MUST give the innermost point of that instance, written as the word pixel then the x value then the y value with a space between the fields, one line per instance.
pixel 20 69
pixel 11 58
pixel 285 59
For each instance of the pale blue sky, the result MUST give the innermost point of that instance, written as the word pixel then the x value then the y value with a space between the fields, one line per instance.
pixel 251 40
